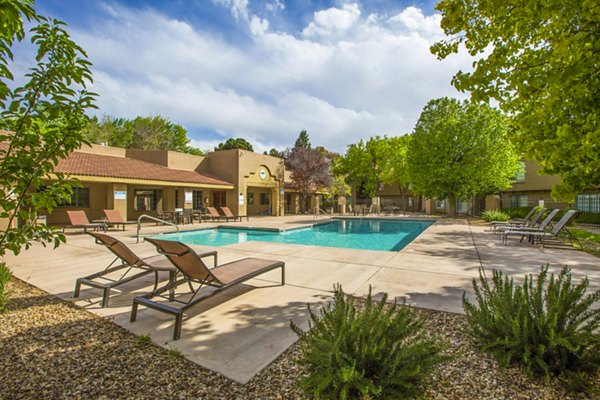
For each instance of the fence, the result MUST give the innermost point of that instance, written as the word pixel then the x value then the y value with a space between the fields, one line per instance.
pixel 588 207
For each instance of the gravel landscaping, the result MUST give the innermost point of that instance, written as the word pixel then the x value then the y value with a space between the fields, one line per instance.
pixel 51 349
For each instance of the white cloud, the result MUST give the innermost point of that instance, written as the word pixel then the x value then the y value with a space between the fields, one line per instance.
pixel 353 78
pixel 333 20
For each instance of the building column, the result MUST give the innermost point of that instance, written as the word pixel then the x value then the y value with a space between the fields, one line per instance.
pixel 116 194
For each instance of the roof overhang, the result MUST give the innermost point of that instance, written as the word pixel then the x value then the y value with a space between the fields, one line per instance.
pixel 130 181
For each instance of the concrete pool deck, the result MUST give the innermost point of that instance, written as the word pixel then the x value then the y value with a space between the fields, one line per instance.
pixel 239 332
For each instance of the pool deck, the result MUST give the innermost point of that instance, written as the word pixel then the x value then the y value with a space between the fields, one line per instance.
pixel 242 330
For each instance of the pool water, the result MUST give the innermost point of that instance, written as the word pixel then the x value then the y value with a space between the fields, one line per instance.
pixel 365 234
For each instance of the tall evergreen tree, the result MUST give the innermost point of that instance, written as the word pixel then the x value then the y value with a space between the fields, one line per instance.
pixel 302 141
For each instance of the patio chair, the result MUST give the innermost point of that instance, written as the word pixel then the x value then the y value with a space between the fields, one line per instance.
pixel 78 219
pixel 228 214
pixel 496 224
pixel 560 235
pixel 532 223
pixel 213 214
pixel 129 262
pixel 165 216
pixel 194 270
pixel 547 222
pixel 114 218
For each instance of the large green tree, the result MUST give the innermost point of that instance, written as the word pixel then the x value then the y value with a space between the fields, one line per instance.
pixel 145 133
pixel 235 143
pixel 44 118
pixel 394 164
pixel 540 60
pixel 303 141
pixel 459 150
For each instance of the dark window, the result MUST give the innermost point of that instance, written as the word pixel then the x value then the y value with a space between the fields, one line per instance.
pixel 250 198
pixel 197 200
pixel 588 203
pixel 146 199
pixel 264 199
pixel 520 176
pixel 79 198
pixel 219 198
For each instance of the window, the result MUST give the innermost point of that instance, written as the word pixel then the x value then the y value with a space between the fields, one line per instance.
pixel 588 203
pixel 197 200
pixel 79 198
pixel 250 198
pixel 520 176
pixel 146 199
pixel 440 204
pixel 264 199
pixel 518 201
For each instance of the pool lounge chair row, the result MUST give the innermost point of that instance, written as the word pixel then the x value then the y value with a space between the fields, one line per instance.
pixel 546 232
pixel 178 260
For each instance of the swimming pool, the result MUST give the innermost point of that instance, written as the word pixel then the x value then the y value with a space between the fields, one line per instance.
pixel 365 234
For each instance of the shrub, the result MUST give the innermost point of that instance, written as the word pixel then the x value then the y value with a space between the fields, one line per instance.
pixel 548 327
pixel 494 215
pixel 5 276
pixel 378 351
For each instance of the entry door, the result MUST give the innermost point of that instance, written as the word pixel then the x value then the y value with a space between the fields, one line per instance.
pixel 219 198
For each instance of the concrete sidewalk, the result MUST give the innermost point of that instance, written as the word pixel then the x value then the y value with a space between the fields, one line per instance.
pixel 242 330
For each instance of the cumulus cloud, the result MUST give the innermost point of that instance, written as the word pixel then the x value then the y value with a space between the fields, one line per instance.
pixel 345 77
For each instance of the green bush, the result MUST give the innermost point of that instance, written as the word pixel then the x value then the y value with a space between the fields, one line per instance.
pixel 548 325
pixel 5 275
pixel 518 212
pixel 378 351
pixel 494 215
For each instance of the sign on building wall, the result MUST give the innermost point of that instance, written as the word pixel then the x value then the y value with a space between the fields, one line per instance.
pixel 241 200
pixel 120 195
pixel 188 197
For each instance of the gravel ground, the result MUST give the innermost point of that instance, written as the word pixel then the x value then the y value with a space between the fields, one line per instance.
pixel 51 349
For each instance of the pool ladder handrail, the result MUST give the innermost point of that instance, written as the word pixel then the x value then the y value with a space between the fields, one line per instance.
pixel 318 212
pixel 146 216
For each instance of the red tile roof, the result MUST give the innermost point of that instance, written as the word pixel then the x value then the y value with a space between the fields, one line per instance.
pixel 88 164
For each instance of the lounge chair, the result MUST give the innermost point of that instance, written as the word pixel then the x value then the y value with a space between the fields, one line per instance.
pixel 129 262
pixel 229 215
pixel 547 222
pixel 559 234
pixel 213 214
pixel 496 224
pixel 114 218
pixel 194 270
pixel 532 223
pixel 78 219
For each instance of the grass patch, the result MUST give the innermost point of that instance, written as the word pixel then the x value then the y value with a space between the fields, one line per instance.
pixel 142 339
pixel 590 241
pixel 175 353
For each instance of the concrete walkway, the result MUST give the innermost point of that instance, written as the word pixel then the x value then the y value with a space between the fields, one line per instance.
pixel 240 331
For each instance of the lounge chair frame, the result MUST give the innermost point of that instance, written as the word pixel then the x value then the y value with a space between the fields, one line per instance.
pixel 542 227
pixel 129 262
pixel 557 237
pixel 114 218
pixel 228 214
pixel 205 278
pixel 75 214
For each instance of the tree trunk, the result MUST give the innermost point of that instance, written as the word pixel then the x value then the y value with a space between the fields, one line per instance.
pixel 403 200
pixel 451 206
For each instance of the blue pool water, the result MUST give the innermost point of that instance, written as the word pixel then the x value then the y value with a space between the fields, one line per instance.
pixel 365 234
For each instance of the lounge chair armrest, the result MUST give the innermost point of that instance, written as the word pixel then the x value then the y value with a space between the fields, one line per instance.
pixel 209 254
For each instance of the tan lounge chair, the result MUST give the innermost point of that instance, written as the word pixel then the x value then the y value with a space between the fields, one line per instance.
pixel 214 214
pixel 78 219
pixel 114 218
pixel 129 262
pixel 229 215
pixel 194 270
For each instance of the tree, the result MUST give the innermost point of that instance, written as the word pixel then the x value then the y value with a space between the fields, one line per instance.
pixel 394 164
pixel 237 143
pixel 460 150
pixel 362 165
pixel 303 140
pixel 310 171
pixel 540 62
pixel 110 131
pixel 275 153
pixel 45 118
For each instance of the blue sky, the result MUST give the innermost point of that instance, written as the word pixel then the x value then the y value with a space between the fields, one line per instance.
pixel 264 70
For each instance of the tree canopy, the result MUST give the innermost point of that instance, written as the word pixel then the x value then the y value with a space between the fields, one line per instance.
pixel 541 62
pixel 460 150
pixel 144 133
pixel 310 171
pixel 275 153
pixel 45 117
pixel 235 143
pixel 303 140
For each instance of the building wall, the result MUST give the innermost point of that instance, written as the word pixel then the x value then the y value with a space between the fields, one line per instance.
pixel 533 180
pixel 98 202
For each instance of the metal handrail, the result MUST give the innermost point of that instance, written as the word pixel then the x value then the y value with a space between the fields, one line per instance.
pixel 318 211
pixel 139 224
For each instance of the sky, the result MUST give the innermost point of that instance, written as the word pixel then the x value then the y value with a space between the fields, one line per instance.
pixel 264 70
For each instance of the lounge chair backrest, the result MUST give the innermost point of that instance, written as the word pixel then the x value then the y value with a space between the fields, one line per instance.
pixel 537 217
pixel 213 212
pixel 563 221
pixel 113 216
pixel 227 212
pixel 117 247
pixel 529 214
pixel 549 218
pixel 78 217
pixel 185 259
